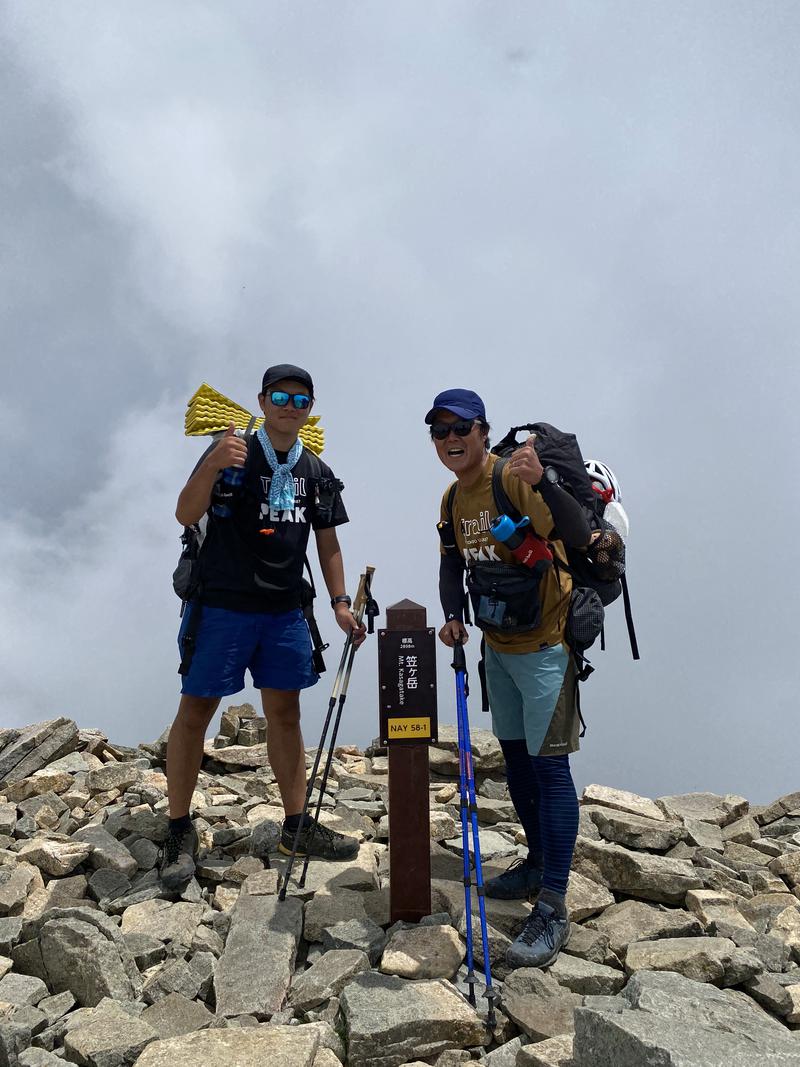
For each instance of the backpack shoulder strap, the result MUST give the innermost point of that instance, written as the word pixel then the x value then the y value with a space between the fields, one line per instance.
pixel 501 498
pixel 448 506
pixel 315 461
pixel 316 472
pixel 324 487
pixel 629 618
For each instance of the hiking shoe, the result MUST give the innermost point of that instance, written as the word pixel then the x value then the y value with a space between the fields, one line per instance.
pixel 521 881
pixel 176 859
pixel 543 936
pixel 327 843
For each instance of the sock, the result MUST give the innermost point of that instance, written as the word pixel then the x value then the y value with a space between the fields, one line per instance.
pixel 555 900
pixel 180 825
pixel 291 822
pixel 523 787
pixel 558 820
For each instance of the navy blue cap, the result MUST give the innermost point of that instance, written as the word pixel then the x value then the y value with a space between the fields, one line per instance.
pixel 284 372
pixel 462 402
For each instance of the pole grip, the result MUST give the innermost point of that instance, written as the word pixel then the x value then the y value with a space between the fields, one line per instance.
pixel 360 599
pixel 459 658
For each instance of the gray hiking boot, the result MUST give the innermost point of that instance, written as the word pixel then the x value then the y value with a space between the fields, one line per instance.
pixel 543 936
pixel 177 859
pixel 323 842
pixel 520 881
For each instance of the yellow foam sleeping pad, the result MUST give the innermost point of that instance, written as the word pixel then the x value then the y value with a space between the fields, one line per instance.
pixel 209 412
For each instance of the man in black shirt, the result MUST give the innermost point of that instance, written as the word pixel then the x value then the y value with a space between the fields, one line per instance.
pixel 262 498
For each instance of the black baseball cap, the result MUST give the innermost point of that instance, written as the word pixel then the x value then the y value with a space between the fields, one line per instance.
pixel 283 371
pixel 462 402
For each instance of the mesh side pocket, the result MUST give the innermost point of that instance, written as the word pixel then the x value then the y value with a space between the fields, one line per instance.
pixel 607 554
pixel 584 619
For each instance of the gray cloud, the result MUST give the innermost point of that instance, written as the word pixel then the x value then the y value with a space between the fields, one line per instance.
pixel 587 213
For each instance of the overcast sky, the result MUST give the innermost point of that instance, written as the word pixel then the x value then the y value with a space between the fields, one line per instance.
pixel 587 212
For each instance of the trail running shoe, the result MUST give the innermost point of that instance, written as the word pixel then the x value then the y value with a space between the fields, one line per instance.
pixel 521 881
pixel 543 936
pixel 327 844
pixel 176 859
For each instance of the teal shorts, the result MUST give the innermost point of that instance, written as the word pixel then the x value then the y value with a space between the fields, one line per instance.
pixel 532 696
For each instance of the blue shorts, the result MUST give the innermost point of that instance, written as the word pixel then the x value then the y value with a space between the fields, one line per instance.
pixel 276 649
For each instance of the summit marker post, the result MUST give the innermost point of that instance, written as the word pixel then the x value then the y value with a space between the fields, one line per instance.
pixel 408 725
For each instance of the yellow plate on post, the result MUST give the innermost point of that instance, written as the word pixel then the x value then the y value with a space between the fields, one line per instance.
pixel 409 729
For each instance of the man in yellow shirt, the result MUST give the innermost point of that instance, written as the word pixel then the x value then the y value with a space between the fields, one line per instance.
pixel 530 673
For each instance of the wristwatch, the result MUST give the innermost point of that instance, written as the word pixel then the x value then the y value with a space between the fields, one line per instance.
pixel 345 599
pixel 549 477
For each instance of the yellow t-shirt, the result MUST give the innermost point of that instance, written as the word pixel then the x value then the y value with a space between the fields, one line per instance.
pixel 474 510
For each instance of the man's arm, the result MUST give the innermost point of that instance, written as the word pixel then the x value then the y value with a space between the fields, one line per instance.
pixel 569 519
pixel 451 587
pixel 330 560
pixel 195 497
pixel 451 596
pixel 332 567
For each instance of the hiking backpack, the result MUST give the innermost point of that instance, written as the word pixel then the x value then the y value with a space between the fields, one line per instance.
pixel 598 573
pixel 598 570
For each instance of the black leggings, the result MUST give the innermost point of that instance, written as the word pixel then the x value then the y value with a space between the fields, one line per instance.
pixel 543 795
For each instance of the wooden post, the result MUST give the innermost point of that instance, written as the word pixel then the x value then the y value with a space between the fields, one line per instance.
pixel 409 801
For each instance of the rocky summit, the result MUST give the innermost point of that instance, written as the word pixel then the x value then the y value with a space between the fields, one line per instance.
pixel 684 949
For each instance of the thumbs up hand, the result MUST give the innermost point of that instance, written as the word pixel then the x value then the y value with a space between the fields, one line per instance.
pixel 524 463
pixel 230 451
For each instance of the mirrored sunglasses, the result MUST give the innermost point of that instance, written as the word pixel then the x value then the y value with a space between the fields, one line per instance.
pixel 299 400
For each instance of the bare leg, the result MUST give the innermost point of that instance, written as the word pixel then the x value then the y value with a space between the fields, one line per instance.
pixel 185 750
pixel 285 749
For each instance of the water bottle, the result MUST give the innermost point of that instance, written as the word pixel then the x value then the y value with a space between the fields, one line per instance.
pixel 521 541
pixel 230 481
pixel 231 478
pixel 616 516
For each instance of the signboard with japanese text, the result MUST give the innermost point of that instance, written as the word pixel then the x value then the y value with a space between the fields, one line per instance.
pixel 407 685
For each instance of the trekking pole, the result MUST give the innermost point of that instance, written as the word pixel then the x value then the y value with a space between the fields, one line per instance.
pixel 309 788
pixel 363 602
pixel 459 666
pixel 469 808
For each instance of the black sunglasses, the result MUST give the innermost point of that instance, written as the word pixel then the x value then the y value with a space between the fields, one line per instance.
pixel 300 400
pixel 461 428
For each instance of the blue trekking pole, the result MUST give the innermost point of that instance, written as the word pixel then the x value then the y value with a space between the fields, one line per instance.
pixel 462 783
pixel 469 813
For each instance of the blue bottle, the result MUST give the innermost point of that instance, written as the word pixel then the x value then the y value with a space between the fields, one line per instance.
pixel 231 480
pixel 521 541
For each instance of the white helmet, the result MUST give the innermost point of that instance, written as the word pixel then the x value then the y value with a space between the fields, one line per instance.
pixel 604 477
pixel 605 482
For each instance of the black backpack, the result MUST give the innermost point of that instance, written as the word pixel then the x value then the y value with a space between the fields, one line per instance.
pixel 601 569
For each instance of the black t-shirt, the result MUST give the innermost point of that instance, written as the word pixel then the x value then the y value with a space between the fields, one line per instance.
pixel 253 559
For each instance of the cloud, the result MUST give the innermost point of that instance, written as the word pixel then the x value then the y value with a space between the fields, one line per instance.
pixel 588 214
pixel 87 598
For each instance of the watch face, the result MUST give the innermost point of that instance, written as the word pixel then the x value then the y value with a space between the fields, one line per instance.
pixel 551 474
